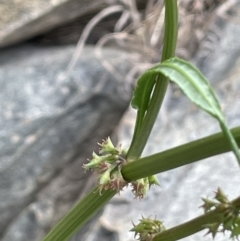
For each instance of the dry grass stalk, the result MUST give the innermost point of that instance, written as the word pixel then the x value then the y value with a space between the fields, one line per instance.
pixel 141 32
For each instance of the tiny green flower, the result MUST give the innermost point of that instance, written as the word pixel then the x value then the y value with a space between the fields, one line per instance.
pixel 221 197
pixel 208 204
pixel 94 162
pixel 104 166
pixel 152 180
pixel 212 228
pixel 140 187
pixel 230 215
pixel 104 181
pixel 117 181
pixel 147 229
pixel 108 147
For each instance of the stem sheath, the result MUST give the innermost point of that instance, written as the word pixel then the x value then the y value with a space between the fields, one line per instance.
pixel 169 46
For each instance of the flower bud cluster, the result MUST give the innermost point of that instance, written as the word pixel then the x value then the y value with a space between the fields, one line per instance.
pixel 141 186
pixel 147 229
pixel 230 215
pixel 108 165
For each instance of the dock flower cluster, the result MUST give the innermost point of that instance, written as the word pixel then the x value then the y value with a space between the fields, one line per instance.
pixel 230 215
pixel 108 165
pixel 147 229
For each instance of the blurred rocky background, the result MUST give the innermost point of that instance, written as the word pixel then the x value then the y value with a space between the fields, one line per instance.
pixel 58 98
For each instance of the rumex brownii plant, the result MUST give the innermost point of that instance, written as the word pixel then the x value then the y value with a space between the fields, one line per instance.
pixel 118 168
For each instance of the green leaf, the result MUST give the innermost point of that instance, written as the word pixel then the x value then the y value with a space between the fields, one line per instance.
pixel 193 84
pixel 198 90
pixel 79 215
pixel 142 93
pixel 141 99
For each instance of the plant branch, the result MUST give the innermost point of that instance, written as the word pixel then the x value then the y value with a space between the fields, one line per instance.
pixel 179 156
pixel 232 142
pixel 170 39
pixel 79 215
pixel 193 226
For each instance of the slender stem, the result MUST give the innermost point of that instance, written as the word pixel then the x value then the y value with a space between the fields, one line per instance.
pixel 136 129
pixel 171 29
pixel 179 156
pixel 192 226
pixel 188 228
pixel 232 142
pixel 79 215
pixel 169 46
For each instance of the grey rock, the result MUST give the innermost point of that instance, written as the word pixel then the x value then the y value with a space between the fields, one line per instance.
pixel 24 19
pixel 181 189
pixel 50 124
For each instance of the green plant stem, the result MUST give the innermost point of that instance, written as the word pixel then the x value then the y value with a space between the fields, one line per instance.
pixel 232 142
pixel 192 226
pixel 79 215
pixel 179 156
pixel 163 161
pixel 188 228
pixel 169 46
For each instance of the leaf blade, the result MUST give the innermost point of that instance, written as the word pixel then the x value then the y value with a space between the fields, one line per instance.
pixel 142 93
pixel 193 83
pixel 198 89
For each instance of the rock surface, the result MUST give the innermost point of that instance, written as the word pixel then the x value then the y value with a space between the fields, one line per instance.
pixel 50 125
pixel 181 189
pixel 24 19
